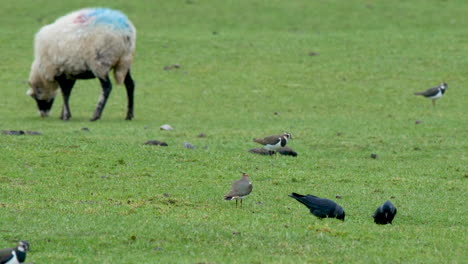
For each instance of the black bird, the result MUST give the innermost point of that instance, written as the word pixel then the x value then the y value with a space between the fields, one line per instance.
pixel 261 151
pixel 385 213
pixel 14 255
pixel 434 93
pixel 287 151
pixel 320 207
pixel 274 142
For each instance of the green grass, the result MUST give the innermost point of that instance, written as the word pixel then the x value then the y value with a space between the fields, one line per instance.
pixel 104 197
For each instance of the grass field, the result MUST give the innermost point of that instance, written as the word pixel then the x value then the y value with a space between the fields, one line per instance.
pixel 101 196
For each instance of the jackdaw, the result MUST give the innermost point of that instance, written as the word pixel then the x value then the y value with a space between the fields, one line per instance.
pixel 320 207
pixel 385 213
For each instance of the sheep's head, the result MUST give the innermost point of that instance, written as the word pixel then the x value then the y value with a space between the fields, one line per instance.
pixel 43 92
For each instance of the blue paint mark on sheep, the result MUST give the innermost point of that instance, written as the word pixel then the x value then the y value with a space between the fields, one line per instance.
pixel 105 16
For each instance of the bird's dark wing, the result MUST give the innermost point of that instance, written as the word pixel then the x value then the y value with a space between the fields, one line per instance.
pixel 5 255
pixel 376 213
pixel 315 203
pixel 429 92
pixel 300 198
pixel 319 213
pixel 262 151
pixel 287 151
pixel 379 216
pixel 320 207
pixel 271 140
pixel 392 215
pixel 321 203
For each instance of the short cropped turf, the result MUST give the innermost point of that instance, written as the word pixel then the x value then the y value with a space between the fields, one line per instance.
pixel 338 75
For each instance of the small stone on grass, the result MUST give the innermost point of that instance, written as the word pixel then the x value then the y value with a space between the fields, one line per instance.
pixel 166 127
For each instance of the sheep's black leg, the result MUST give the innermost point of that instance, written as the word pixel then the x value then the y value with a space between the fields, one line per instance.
pixel 66 85
pixel 106 90
pixel 130 85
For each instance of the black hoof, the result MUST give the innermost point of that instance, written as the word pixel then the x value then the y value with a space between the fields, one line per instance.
pixel 129 117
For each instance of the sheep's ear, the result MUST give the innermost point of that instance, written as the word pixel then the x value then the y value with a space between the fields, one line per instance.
pixel 30 92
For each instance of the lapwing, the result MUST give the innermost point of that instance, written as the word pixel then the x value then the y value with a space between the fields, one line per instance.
pixel 15 255
pixel 434 93
pixel 385 213
pixel 239 189
pixel 275 142
pixel 320 207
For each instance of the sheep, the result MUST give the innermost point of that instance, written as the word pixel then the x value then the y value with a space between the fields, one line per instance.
pixel 83 44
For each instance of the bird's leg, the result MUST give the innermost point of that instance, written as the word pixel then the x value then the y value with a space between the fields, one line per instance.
pixel 236 203
pixel 241 203
pixel 433 102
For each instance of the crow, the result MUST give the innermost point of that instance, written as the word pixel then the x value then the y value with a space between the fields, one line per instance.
pixel 385 213
pixel 320 207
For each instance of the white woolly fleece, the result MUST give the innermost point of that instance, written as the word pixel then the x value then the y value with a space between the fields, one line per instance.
pixel 72 45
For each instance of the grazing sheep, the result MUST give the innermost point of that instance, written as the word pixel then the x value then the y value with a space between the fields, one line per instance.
pixel 84 44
